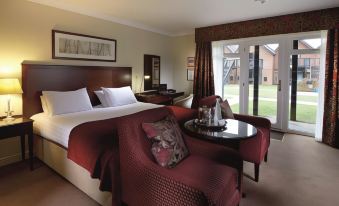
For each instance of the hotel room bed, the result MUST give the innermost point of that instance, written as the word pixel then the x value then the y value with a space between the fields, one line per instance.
pixel 89 139
pixel 77 160
pixel 81 146
pixel 58 128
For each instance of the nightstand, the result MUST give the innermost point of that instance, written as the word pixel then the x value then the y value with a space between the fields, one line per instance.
pixel 19 126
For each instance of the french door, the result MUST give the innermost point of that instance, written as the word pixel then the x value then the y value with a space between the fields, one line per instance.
pixel 276 77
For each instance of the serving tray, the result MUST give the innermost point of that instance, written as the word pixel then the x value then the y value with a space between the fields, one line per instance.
pixel 220 126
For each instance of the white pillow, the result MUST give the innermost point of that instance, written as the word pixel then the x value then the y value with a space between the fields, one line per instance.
pixel 101 96
pixel 67 102
pixel 44 105
pixel 119 96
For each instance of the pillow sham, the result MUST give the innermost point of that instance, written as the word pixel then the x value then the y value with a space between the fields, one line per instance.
pixel 119 96
pixel 101 96
pixel 67 102
pixel 44 105
pixel 168 146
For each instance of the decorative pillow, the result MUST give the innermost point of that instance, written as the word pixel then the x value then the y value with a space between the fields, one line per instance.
pixel 119 96
pixel 168 146
pixel 226 110
pixel 101 96
pixel 67 102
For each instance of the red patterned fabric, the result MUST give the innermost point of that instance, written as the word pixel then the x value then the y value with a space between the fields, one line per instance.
pixel 291 23
pixel 203 84
pixel 331 111
pixel 200 179
pixel 168 146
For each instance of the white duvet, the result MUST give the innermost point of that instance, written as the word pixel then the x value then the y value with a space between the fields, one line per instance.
pixel 58 128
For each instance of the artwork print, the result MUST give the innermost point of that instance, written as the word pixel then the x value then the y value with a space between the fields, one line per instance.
pixel 68 45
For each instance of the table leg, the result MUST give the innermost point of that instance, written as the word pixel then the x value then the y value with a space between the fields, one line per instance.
pixel 22 141
pixel 30 145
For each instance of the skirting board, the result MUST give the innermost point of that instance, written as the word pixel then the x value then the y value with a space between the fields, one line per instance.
pixel 56 158
pixel 11 159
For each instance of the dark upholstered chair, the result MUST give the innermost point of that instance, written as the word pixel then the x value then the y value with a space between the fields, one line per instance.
pixel 208 176
pixel 253 150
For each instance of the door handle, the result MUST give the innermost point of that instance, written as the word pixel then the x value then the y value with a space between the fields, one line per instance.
pixel 279 86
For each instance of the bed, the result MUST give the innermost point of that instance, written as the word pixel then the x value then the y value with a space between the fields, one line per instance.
pixel 51 133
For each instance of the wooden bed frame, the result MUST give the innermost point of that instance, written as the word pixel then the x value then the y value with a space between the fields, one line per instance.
pixel 43 77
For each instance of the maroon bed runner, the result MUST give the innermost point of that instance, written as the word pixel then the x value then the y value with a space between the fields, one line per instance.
pixel 94 146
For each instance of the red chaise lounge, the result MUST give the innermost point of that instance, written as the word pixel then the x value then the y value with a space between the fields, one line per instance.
pixel 208 176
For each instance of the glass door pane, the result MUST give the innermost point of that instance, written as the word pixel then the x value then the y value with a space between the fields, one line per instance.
pixel 304 86
pixel 231 85
pixel 263 81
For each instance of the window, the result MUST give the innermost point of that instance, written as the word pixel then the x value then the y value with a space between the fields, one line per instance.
pixel 231 49
pixel 255 75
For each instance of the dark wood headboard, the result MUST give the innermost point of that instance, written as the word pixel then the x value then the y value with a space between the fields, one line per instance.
pixel 37 78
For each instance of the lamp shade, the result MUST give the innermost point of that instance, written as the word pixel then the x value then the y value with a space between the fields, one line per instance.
pixel 147 76
pixel 10 86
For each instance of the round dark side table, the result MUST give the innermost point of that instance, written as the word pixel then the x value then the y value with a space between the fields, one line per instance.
pixel 230 136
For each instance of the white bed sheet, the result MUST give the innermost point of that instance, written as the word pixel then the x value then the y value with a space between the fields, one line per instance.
pixel 58 128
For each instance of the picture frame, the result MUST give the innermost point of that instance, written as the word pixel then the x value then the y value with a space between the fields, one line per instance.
pixel 73 46
pixel 190 74
pixel 190 61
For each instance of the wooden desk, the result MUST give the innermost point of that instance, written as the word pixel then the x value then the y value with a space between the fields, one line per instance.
pixel 155 97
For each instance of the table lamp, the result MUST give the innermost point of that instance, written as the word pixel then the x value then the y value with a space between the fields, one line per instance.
pixel 8 87
pixel 142 81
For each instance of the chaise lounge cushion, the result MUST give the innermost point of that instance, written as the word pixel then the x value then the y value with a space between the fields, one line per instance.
pixel 217 181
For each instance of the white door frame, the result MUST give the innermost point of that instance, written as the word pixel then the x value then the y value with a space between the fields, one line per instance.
pixel 285 42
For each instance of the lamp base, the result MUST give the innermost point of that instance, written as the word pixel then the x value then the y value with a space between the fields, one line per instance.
pixel 8 119
pixel 9 116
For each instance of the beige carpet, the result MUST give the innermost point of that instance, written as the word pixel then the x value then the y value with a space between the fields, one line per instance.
pixel 21 187
pixel 300 172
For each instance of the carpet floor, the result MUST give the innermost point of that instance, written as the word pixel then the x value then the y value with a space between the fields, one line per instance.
pixel 299 172
pixel 277 135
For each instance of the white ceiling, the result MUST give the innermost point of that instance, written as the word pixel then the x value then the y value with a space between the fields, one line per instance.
pixel 178 17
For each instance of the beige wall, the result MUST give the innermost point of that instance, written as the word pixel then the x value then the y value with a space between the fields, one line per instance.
pixel 25 34
pixel 182 47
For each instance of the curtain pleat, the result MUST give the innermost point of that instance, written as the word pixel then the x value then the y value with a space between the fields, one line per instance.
pixel 203 85
pixel 331 104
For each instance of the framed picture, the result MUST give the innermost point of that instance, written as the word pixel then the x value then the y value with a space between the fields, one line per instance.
pixel 190 61
pixel 67 45
pixel 190 74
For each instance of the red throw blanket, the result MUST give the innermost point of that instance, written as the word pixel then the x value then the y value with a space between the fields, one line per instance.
pixel 94 146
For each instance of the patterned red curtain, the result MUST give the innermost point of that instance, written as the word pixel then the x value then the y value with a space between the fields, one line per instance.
pixel 331 111
pixel 203 85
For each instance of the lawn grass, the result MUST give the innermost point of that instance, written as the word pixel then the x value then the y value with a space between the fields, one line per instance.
pixel 266 91
pixel 305 113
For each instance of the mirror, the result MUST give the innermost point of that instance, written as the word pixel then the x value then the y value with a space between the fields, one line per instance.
pixel 151 72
